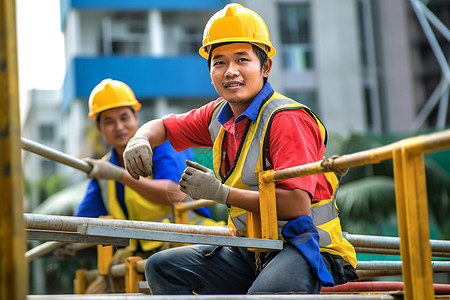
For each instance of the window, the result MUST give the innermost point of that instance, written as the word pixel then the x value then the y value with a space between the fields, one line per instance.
pixel 184 32
pixel 125 33
pixel 46 132
pixel 307 98
pixel 190 40
pixel 48 167
pixel 296 38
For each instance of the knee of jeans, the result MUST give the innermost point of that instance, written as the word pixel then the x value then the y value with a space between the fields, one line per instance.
pixel 153 265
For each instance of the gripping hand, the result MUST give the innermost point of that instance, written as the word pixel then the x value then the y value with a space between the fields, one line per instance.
pixel 200 182
pixel 138 157
pixel 102 169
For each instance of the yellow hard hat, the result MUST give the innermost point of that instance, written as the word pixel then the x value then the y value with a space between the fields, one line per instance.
pixel 111 94
pixel 236 23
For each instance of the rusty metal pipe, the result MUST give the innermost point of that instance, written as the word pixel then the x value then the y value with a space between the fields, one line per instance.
pixel 65 223
pixel 425 143
pixel 43 249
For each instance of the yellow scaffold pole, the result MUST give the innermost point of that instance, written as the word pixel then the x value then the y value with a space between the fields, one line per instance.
pixel 411 200
pixel 13 266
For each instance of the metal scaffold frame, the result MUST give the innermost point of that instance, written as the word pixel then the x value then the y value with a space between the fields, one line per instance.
pixel 441 92
pixel 414 243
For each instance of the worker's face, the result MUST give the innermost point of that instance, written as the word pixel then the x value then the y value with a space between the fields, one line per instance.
pixel 117 126
pixel 236 73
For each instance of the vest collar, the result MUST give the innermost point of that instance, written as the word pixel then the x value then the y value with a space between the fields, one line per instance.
pixel 113 157
pixel 252 110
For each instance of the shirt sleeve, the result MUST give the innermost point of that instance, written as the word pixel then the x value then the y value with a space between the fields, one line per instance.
pixel 190 129
pixel 168 163
pixel 92 204
pixel 295 139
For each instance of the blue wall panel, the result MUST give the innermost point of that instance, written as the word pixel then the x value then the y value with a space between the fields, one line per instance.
pixel 150 4
pixel 179 77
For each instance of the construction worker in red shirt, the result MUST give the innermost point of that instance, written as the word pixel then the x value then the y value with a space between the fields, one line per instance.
pixel 251 128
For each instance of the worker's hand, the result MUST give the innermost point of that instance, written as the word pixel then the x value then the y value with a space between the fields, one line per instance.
pixel 138 157
pixel 200 182
pixel 102 169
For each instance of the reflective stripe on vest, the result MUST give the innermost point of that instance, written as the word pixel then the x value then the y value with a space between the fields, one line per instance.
pixel 138 208
pixel 250 160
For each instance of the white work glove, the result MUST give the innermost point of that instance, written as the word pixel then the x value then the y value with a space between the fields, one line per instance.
pixel 138 157
pixel 200 182
pixel 102 169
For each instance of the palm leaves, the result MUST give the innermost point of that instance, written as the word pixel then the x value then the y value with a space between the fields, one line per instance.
pixel 366 195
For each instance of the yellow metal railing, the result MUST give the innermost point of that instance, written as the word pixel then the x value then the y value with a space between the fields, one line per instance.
pixel 13 267
pixel 411 201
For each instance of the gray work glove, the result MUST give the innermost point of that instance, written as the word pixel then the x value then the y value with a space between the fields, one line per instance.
pixel 102 169
pixel 200 182
pixel 138 157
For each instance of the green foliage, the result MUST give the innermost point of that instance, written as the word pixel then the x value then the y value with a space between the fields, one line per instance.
pixel 367 204
pixel 366 196
pixel 50 184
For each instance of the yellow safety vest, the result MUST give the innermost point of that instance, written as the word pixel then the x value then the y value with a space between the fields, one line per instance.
pixel 250 160
pixel 139 209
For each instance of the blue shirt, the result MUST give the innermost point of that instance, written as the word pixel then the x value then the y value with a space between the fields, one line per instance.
pixel 167 164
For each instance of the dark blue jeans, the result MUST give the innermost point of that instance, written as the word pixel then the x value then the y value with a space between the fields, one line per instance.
pixel 228 270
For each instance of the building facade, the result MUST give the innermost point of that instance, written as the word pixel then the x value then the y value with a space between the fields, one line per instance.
pixel 363 66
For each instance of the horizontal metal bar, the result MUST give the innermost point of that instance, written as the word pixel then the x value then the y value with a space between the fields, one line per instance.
pixel 382 251
pixel 343 296
pixel 43 249
pixel 384 242
pixel 422 143
pixel 66 223
pixel 364 274
pixel 55 155
pixel 438 266
pixel 74 237
pixel 183 237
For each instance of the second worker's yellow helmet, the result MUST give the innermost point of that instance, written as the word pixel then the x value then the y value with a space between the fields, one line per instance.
pixel 236 23
pixel 110 94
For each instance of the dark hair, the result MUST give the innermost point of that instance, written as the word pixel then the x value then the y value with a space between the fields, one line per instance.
pixel 97 119
pixel 260 53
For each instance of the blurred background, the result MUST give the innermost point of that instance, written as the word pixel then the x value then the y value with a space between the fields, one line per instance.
pixel 374 71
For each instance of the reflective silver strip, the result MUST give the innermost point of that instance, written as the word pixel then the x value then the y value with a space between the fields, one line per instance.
pixel 324 237
pixel 323 213
pixel 103 185
pixel 240 222
pixel 215 125
pixel 248 175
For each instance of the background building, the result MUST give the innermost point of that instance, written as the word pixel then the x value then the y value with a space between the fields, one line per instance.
pixel 363 66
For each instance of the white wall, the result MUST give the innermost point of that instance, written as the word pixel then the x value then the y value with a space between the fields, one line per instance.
pixel 337 61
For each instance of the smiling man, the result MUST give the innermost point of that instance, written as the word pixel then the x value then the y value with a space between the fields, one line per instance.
pixel 251 128
pixel 112 191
